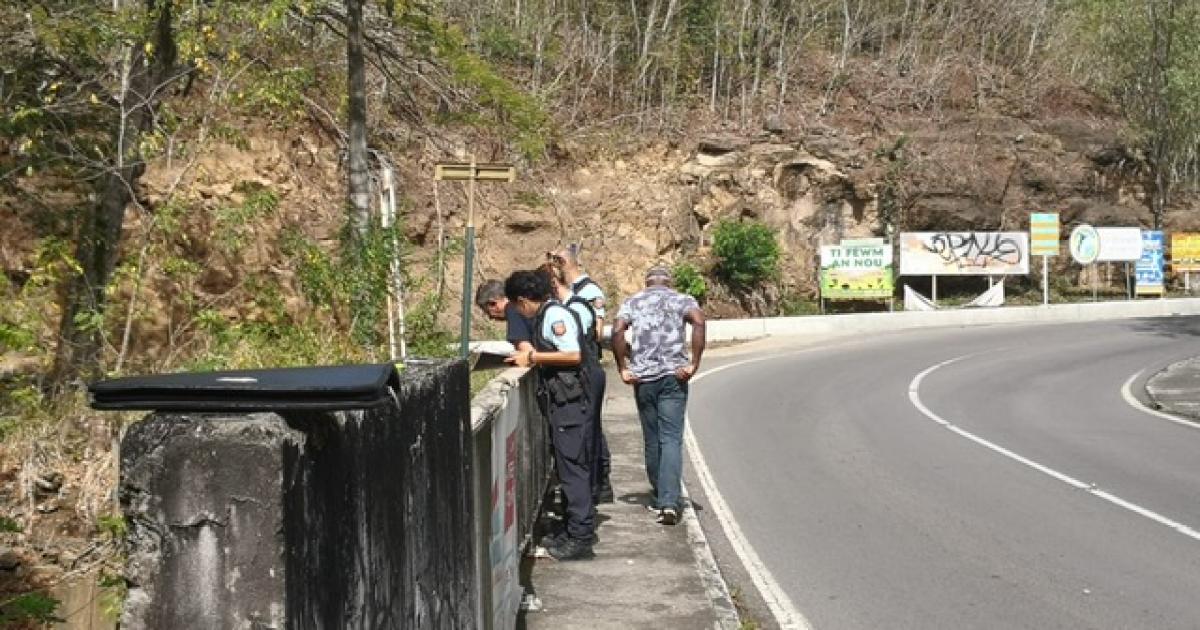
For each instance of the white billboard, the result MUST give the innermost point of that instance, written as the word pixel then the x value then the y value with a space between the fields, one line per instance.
pixel 964 253
pixel 1119 244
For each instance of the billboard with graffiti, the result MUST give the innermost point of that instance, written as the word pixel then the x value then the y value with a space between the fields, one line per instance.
pixel 964 253
pixel 856 271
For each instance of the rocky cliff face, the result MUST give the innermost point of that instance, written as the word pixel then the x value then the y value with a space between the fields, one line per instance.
pixel 647 201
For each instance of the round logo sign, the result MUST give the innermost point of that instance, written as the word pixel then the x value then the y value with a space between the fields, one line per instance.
pixel 1085 244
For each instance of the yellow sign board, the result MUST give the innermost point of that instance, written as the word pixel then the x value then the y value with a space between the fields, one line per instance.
pixel 462 171
pixel 1043 234
pixel 1185 251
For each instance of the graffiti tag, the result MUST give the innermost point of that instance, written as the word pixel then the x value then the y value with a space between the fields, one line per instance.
pixel 975 249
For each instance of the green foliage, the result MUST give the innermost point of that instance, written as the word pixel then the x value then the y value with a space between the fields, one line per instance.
pixel 351 286
pixel 9 526
pixel 1146 55
pixel 113 526
pixel 429 338
pixel 276 92
pixel 689 280
pixel 233 223
pixel 792 304
pixel 114 590
pixel 30 607
pixel 512 107
pixel 747 253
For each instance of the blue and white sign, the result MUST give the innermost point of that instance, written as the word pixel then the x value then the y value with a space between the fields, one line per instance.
pixel 1150 265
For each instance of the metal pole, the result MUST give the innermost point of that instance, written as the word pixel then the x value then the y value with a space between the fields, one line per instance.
pixel 934 291
pixel 397 278
pixel 1045 281
pixel 1095 281
pixel 1128 284
pixel 468 263
pixel 385 221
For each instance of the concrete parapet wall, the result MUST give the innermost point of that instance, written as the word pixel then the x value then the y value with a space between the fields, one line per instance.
pixel 513 466
pixel 352 519
pixel 742 329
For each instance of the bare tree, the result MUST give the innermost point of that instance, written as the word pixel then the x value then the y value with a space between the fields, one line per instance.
pixel 143 81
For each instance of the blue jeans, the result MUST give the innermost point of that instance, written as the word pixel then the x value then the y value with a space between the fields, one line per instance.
pixel 661 406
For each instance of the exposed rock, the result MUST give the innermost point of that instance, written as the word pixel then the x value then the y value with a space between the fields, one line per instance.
pixel 9 559
pixel 524 221
pixel 719 160
pixel 47 484
pixel 718 145
pixel 774 124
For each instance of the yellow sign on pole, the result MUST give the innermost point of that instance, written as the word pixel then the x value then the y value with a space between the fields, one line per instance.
pixel 464 171
pixel 471 172
pixel 1043 234
pixel 1185 252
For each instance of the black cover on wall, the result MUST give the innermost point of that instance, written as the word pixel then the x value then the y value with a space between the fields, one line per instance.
pixel 323 388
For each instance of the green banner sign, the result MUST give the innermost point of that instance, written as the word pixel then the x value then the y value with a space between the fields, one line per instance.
pixel 856 271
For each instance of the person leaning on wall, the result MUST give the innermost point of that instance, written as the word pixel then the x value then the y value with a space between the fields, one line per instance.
pixel 562 394
pixel 491 300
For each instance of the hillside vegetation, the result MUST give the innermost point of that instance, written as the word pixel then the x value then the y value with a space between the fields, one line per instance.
pixel 196 185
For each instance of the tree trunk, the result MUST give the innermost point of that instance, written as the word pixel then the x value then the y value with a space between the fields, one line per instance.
pixel 98 240
pixel 359 191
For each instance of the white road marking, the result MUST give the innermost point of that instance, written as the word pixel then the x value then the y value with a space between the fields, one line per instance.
pixel 914 395
pixel 785 612
pixel 1132 401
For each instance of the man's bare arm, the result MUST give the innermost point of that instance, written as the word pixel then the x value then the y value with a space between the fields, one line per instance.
pixel 621 351
pixel 619 345
pixel 695 317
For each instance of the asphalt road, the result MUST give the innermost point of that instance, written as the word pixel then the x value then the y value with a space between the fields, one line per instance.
pixel 1013 487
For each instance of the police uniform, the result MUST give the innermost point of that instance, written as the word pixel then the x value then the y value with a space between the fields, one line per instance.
pixel 587 291
pixel 563 393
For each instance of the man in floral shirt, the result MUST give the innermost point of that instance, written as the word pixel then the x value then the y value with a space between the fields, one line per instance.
pixel 659 368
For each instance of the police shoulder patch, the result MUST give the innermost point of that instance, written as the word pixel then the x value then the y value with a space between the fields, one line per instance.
pixel 559 327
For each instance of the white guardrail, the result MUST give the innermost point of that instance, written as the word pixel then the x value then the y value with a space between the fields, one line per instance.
pixel 744 329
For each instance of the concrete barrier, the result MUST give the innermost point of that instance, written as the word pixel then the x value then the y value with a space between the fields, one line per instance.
pixel 306 519
pixel 744 329
pixel 513 464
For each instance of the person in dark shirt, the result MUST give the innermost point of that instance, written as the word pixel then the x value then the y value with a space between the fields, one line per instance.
pixel 491 299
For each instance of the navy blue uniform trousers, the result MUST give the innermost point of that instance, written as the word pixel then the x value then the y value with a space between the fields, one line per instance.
pixel 571 434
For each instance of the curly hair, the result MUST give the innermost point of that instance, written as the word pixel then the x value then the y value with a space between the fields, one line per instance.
pixel 530 285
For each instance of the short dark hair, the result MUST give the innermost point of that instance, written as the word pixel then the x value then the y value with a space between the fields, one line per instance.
pixel 489 292
pixel 530 285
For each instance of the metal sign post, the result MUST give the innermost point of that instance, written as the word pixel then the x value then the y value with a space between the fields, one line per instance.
pixel 471 172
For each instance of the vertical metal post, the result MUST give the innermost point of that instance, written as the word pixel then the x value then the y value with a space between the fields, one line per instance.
pixel 386 222
pixel 1095 269
pixel 397 332
pixel 934 296
pixel 1128 283
pixel 468 265
pixel 1045 281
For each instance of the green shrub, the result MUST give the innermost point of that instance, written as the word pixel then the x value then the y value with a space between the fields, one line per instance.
pixel 747 253
pixel 689 280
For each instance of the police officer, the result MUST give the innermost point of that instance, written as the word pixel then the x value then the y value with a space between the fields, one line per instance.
pixel 581 287
pixel 596 379
pixel 563 395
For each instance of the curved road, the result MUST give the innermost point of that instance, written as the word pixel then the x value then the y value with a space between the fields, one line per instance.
pixel 962 478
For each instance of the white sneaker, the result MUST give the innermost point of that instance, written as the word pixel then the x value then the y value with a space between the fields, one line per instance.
pixel 668 516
